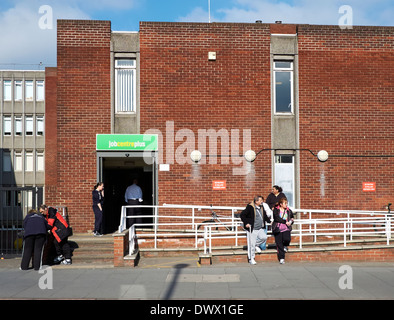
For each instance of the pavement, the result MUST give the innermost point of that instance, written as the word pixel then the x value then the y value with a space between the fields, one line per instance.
pixel 159 280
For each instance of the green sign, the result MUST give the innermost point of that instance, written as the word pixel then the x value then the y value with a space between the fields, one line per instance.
pixel 129 142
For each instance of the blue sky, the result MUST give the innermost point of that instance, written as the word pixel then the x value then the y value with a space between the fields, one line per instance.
pixel 23 43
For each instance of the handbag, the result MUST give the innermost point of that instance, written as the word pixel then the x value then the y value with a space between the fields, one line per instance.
pixel 275 228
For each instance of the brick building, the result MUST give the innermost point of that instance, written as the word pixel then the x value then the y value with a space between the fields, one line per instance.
pixel 288 91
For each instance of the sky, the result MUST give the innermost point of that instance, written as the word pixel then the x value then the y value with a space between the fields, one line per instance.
pixel 28 27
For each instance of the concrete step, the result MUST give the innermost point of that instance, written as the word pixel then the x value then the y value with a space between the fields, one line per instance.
pixel 91 250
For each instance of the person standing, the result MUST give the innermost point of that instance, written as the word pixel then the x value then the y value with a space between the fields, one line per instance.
pixel 35 234
pixel 98 202
pixel 254 218
pixel 133 197
pixel 269 214
pixel 281 228
pixel 274 197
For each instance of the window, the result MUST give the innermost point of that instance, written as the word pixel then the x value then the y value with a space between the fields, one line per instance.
pixel 18 90
pixel 7 125
pixel 284 176
pixel 7 90
pixel 18 126
pixel 29 161
pixel 18 165
pixel 283 89
pixel 29 90
pixel 40 94
pixel 125 85
pixel 7 161
pixel 40 161
pixel 29 125
pixel 40 125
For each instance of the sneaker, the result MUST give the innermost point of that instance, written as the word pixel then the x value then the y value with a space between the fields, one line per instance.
pixel 58 259
pixel 285 249
pixel 66 261
pixel 282 261
pixel 97 234
pixel 253 262
pixel 258 250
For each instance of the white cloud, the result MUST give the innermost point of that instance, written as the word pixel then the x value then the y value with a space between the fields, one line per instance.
pixel 23 42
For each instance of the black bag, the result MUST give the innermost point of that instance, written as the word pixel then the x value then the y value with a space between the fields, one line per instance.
pixel 275 228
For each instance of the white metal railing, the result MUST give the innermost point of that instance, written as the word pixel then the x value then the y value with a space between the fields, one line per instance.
pixel 349 224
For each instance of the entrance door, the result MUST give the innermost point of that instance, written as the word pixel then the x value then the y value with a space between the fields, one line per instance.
pixel 284 176
pixel 117 171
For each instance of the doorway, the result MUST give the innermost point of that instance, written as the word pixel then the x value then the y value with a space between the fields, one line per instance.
pixel 118 171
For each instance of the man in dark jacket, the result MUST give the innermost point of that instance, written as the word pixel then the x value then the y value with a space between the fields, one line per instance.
pixel 35 234
pixel 254 218
pixel 60 231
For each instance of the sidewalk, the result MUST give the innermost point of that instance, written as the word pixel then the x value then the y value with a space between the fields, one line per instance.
pixel 181 278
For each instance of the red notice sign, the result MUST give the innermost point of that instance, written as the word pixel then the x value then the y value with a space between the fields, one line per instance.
pixel 369 186
pixel 219 185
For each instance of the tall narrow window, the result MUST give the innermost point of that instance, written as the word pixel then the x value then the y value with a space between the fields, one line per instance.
pixel 7 165
pixel 7 90
pixel 284 176
pixel 29 163
pixel 18 126
pixel 29 90
pixel 40 161
pixel 7 125
pixel 29 125
pixel 40 125
pixel 125 85
pixel 283 89
pixel 18 165
pixel 18 90
pixel 40 93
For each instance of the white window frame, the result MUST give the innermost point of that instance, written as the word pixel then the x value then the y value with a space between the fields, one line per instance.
pixel 40 90
pixel 18 161
pixel 281 168
pixel 40 161
pixel 291 71
pixel 7 125
pixel 29 90
pixel 29 161
pixel 7 90
pixel 18 90
pixel 40 126
pixel 29 124
pixel 130 106
pixel 18 125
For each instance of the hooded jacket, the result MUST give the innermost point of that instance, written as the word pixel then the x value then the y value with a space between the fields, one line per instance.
pixel 249 213
pixel 60 228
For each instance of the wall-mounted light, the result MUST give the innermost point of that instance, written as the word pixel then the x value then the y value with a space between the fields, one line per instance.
pixel 250 155
pixel 322 155
pixel 195 156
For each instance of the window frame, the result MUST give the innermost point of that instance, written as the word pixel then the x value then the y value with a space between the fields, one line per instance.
pixel 284 70
pixel 133 68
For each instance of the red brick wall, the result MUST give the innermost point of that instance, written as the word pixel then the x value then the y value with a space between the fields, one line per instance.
pixel 83 110
pixel 346 101
pixel 179 84
pixel 50 135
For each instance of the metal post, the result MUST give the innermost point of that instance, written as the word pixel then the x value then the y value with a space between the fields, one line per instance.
pixel 156 221
pixel 344 234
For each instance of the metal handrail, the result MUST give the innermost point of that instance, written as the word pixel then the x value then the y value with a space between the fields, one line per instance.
pixel 353 217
